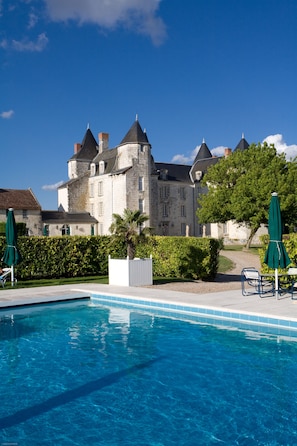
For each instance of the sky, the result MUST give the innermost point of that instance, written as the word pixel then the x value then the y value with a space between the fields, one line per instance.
pixel 191 70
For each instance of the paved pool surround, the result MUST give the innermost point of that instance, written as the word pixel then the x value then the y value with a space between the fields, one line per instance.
pixel 231 304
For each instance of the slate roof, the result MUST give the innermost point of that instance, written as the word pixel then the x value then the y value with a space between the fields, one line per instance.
pixel 109 158
pixel 18 199
pixel 242 145
pixel 135 135
pixel 61 217
pixel 88 148
pixel 203 165
pixel 203 152
pixel 176 172
pixel 73 180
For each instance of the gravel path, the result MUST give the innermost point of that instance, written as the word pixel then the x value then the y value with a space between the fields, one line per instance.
pixel 223 282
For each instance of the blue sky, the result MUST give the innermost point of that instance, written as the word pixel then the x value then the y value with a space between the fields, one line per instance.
pixel 191 69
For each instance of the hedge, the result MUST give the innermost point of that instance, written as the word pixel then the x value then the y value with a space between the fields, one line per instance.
pixel 68 256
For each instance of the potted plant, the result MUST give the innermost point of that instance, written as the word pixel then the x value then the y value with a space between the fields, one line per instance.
pixel 130 271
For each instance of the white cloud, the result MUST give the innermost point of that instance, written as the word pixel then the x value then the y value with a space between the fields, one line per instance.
pixel 185 159
pixel 138 15
pixel 281 146
pixel 7 114
pixel 52 186
pixel 29 45
pixel 218 151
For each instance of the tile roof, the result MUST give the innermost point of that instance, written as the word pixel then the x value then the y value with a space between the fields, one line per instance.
pixel 66 217
pixel 18 199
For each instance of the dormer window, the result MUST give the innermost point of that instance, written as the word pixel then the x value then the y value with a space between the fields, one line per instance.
pixel 93 169
pixel 163 174
pixel 101 167
pixel 198 175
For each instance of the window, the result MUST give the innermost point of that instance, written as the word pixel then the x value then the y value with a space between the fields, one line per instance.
pixel 183 229
pixel 65 230
pixel 182 193
pixel 141 205
pixel 25 213
pixel 165 210
pixel 198 175
pixel 164 192
pixel 140 183
pixel 46 230
pixel 183 211
pixel 100 208
pixel 100 188
pixel 101 168
pixel 93 169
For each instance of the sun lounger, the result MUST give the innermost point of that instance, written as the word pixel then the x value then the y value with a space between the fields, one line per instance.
pixel 4 275
pixel 292 274
pixel 252 282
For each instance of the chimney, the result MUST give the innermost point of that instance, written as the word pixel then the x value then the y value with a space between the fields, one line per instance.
pixel 227 152
pixel 77 147
pixel 103 141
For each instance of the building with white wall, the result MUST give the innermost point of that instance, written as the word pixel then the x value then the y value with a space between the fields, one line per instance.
pixel 103 181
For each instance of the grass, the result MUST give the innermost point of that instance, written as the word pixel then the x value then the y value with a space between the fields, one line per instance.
pixel 251 250
pixel 224 264
pixel 60 281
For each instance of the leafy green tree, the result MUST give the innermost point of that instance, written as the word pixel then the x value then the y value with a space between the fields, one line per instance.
pixel 240 187
pixel 130 228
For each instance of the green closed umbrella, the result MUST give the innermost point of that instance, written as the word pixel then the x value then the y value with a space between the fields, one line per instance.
pixel 11 255
pixel 276 255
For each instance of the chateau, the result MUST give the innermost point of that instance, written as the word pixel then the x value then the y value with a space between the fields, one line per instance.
pixel 103 181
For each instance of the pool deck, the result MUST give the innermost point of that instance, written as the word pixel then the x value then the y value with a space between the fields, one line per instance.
pixel 232 301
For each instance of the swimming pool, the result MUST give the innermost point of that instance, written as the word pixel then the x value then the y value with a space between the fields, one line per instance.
pixel 89 374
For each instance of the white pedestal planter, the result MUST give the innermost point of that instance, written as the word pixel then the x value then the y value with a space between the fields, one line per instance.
pixel 125 272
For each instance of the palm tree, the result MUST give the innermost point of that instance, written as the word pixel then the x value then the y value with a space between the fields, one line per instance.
pixel 129 227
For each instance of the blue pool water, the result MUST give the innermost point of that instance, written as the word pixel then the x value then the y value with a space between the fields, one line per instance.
pixel 87 374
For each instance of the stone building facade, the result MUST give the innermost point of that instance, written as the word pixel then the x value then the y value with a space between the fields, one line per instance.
pixel 103 181
pixel 26 208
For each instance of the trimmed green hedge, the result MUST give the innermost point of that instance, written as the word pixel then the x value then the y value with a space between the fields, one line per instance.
pixel 183 257
pixel 68 256
pixel 21 228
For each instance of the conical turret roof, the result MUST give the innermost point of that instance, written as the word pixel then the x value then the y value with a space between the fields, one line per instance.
pixel 203 152
pixel 135 135
pixel 88 149
pixel 243 144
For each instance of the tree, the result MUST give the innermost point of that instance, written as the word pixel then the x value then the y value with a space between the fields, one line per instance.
pixel 240 187
pixel 129 228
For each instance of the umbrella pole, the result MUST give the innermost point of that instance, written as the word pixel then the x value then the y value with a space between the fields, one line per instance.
pixel 276 283
pixel 12 276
